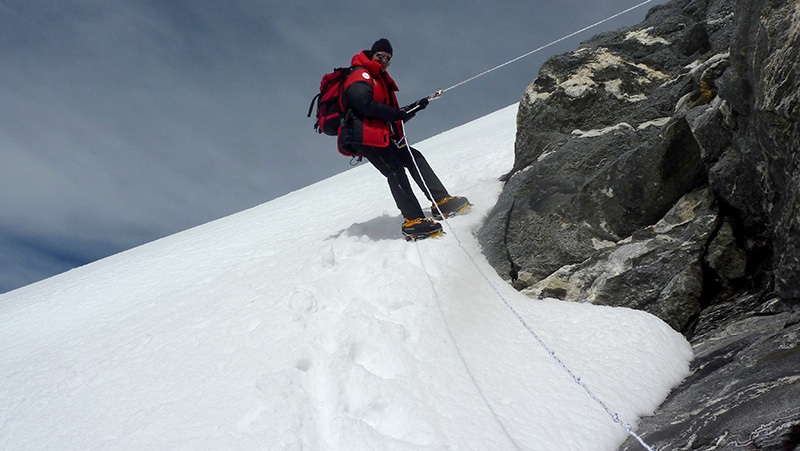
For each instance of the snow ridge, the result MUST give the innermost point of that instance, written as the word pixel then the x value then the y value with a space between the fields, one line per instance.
pixel 307 322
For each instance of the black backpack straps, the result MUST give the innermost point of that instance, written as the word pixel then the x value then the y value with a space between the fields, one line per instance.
pixel 342 106
pixel 341 88
pixel 313 102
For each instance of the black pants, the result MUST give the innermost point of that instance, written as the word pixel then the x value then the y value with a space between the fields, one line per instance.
pixel 392 162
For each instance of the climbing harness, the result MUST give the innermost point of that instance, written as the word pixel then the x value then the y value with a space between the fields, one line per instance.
pixel 439 93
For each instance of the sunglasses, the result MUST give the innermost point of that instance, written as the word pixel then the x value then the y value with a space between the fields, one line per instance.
pixel 383 57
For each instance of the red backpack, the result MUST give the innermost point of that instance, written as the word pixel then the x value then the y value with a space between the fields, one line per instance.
pixel 329 106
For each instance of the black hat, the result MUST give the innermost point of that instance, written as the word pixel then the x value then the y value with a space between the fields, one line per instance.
pixel 382 45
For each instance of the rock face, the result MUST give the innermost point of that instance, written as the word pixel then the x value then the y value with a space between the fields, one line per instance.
pixel 657 167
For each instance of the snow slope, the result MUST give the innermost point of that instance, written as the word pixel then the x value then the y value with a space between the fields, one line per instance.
pixel 308 323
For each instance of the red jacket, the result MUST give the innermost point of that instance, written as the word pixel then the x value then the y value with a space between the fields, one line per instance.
pixel 369 95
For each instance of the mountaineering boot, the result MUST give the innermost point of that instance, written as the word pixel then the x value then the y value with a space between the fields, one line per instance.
pixel 421 228
pixel 450 206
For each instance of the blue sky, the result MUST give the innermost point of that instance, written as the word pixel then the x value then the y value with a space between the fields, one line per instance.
pixel 125 121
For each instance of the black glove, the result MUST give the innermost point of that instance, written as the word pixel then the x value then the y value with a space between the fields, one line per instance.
pixel 418 105
pixel 403 115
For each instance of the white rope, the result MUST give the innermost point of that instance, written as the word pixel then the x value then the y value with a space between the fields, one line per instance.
pixel 441 91
pixel 460 355
pixel 614 415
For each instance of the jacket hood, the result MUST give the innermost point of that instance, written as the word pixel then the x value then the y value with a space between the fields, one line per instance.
pixel 374 67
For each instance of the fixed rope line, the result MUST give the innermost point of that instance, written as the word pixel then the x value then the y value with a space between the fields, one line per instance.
pixel 441 91
pixel 460 355
pixel 404 141
pixel 614 415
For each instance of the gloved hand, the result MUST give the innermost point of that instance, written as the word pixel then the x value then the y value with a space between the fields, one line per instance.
pixel 418 105
pixel 403 115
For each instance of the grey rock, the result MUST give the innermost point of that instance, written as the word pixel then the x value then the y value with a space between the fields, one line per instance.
pixel 725 258
pixel 657 167
pixel 742 392
pixel 661 261
pixel 759 174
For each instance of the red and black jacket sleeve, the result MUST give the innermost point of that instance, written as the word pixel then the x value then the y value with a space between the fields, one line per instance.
pixel 360 97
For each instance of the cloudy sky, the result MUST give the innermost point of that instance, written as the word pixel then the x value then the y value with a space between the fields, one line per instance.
pixel 122 121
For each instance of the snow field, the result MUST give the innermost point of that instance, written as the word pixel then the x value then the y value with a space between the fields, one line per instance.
pixel 308 323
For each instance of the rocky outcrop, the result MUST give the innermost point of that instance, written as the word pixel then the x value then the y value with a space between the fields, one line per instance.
pixel 660 261
pixel 742 393
pixel 658 167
